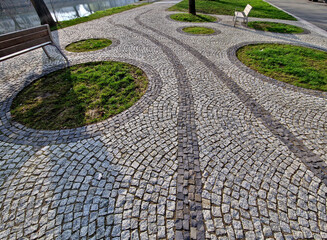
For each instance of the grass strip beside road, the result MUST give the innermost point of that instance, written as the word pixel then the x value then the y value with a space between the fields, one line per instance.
pixel 260 8
pixel 296 65
pixel 275 27
pixel 96 15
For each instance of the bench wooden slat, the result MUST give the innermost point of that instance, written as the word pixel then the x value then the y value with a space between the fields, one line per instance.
pixel 21 39
pixel 22 32
pixel 247 9
pixel 24 45
pixel 16 43
pixel 23 51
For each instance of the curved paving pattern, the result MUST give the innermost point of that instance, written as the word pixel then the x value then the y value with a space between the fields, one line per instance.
pixel 16 133
pixel 212 151
pixel 189 217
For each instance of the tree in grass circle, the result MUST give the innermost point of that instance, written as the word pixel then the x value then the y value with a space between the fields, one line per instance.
pixel 191 7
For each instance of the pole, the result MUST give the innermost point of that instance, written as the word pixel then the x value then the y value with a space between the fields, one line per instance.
pixel 191 7
pixel 43 12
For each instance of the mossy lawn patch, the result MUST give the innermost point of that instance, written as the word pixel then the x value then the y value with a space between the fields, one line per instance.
pixel 88 45
pixel 186 17
pixel 79 95
pixel 198 30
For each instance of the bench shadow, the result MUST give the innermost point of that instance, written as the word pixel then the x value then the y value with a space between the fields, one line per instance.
pixel 56 49
pixel 64 186
pixel 51 103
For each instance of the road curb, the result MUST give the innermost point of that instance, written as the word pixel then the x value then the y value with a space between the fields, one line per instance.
pixel 312 27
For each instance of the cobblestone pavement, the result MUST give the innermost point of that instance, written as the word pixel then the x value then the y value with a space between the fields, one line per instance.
pixel 213 150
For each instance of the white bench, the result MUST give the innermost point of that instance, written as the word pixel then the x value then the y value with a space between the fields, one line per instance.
pixel 19 42
pixel 244 15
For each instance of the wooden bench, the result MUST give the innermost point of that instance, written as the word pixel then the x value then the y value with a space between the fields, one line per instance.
pixel 244 15
pixel 19 42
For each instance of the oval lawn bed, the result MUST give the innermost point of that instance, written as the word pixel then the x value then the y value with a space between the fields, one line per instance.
pixel 79 95
pixel 296 65
pixel 88 45
pixel 199 30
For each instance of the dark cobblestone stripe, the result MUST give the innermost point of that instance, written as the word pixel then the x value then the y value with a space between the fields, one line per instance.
pixel 231 52
pixel 189 216
pixel 13 132
pixel 295 145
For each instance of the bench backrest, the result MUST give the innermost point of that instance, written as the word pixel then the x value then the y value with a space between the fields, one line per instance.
pixel 247 9
pixel 18 41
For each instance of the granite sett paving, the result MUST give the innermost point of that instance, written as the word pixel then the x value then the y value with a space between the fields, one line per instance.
pixel 213 150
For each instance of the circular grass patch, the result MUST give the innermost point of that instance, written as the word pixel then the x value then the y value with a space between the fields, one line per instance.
pixel 186 17
pixel 88 45
pixel 79 95
pixel 296 65
pixel 198 30
pixel 275 27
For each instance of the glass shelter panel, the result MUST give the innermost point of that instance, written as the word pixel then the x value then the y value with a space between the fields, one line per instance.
pixel 20 14
pixel 16 15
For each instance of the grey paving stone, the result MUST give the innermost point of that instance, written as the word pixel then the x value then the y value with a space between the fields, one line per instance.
pixel 226 151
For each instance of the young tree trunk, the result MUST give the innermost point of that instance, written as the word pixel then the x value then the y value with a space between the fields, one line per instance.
pixel 43 12
pixel 191 7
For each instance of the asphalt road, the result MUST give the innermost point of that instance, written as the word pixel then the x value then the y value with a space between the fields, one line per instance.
pixel 313 12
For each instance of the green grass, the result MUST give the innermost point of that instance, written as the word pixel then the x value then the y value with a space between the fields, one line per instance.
pixel 96 15
pixel 88 45
pixel 300 66
pixel 274 27
pixel 79 95
pixel 198 30
pixel 260 8
pixel 186 17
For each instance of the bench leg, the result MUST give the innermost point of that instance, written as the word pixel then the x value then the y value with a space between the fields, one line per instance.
pixel 61 53
pixel 46 52
pixel 234 20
